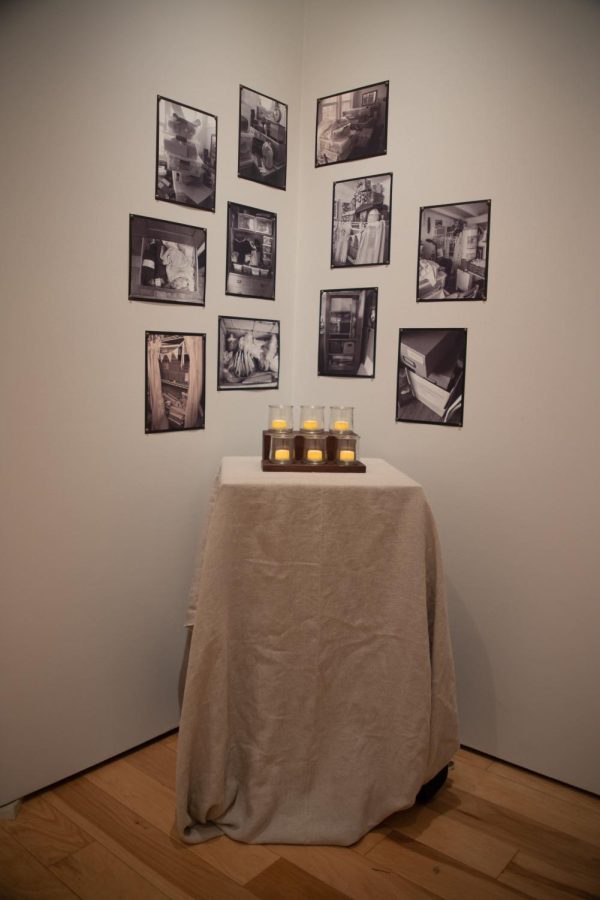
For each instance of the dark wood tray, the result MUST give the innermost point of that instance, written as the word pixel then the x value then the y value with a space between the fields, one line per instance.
pixel 356 466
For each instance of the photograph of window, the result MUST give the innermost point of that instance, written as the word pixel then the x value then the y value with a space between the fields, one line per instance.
pixel 347 332
pixel 175 381
pixel 186 155
pixel 431 375
pixel 167 261
pixel 352 125
pixel 262 146
pixel 248 354
pixel 361 221
pixel 251 252
pixel 454 251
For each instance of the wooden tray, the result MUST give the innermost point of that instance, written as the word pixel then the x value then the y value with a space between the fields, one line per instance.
pixel 356 466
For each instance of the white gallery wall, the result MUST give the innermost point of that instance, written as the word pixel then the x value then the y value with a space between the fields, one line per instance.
pixel 100 521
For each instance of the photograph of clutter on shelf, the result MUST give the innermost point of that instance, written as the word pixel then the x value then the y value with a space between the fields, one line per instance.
pixel 251 252
pixel 453 251
pixel 175 381
pixel 262 147
pixel 186 155
pixel 361 221
pixel 347 331
pixel 431 375
pixel 248 353
pixel 167 261
pixel 352 125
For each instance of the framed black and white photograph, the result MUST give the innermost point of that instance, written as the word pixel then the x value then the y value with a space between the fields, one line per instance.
pixel 248 354
pixel 251 252
pixel 431 375
pixel 352 125
pixel 361 221
pixel 454 251
pixel 347 332
pixel 186 155
pixel 262 143
pixel 175 381
pixel 167 261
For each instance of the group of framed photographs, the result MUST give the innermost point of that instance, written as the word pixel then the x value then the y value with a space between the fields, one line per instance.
pixel 167 260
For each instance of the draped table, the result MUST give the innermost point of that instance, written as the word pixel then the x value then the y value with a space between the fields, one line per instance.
pixel 320 692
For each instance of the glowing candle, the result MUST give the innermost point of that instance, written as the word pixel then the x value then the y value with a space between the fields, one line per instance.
pixel 310 425
pixel 314 455
pixel 341 425
pixel 346 455
pixel 282 455
pixel 278 424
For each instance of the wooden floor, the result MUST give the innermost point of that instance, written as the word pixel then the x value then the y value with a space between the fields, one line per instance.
pixel 494 831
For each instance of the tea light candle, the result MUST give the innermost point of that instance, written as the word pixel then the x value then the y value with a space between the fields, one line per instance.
pixel 346 455
pixel 278 424
pixel 341 425
pixel 282 455
pixel 310 425
pixel 314 455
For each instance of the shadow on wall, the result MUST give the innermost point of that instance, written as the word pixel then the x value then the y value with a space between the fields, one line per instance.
pixel 474 682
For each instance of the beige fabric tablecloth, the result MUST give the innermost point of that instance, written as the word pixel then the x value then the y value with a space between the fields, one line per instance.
pixel 320 688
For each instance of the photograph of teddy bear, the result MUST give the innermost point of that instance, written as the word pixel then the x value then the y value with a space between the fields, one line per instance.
pixel 167 261
pixel 186 155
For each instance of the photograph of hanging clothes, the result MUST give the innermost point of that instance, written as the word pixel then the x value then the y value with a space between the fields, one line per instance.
pixel 175 381
pixel 454 251
pixel 248 353
pixel 361 221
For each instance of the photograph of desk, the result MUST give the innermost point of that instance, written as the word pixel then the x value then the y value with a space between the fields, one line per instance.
pixel 320 690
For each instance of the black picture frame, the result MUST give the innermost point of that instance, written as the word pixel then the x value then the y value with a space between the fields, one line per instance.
pixel 431 375
pixel 352 124
pixel 348 332
pixel 361 221
pixel 167 261
pixel 175 390
pixel 186 155
pixel 251 252
pixel 248 354
pixel 453 251
pixel 262 138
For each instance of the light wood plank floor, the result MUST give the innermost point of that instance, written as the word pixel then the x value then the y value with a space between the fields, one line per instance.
pixel 494 831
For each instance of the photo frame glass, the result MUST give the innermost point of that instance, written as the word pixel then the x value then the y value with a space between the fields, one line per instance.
pixel 167 261
pixel 431 375
pixel 262 139
pixel 251 252
pixel 347 332
pixel 361 221
pixel 186 155
pixel 453 251
pixel 248 354
pixel 175 381
pixel 352 125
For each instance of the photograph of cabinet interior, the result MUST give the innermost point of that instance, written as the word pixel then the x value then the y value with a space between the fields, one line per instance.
pixel 175 381
pixel 347 332
pixel 352 125
pixel 251 252
pixel 167 261
pixel 361 221
pixel 262 147
pixel 431 375
pixel 186 155
pixel 454 251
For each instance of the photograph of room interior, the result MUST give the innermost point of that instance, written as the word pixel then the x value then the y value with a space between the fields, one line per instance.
pixel 186 155
pixel 262 149
pixel 248 353
pixel 352 125
pixel 348 322
pixel 360 234
pixel 431 375
pixel 453 251
pixel 251 252
pixel 175 381
pixel 167 261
